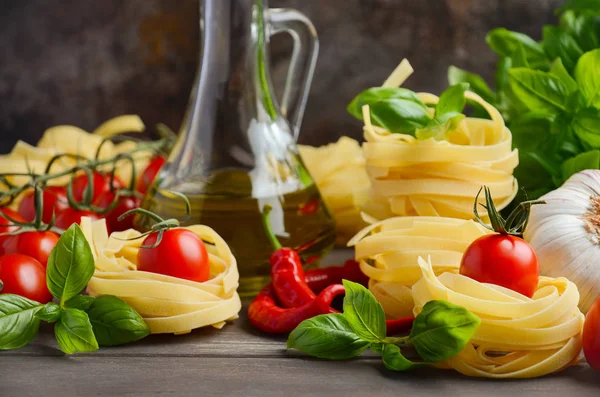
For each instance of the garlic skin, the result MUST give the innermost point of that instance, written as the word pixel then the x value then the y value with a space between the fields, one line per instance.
pixel 565 234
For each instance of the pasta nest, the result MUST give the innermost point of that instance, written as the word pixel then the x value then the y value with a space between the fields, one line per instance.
pixel 388 253
pixel 167 304
pixel 427 177
pixel 519 337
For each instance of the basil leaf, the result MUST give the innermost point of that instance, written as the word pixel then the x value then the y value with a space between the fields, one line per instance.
pixel 530 130
pixel 519 57
pixel 74 332
pixel 560 44
pixel 586 125
pixel 584 28
pixel 364 314
pixel 442 330
pixel 581 5
pixel 452 100
pixel 115 322
pixel 327 336
pixel 440 126
pixel 476 83
pixel 539 91
pixel 395 109
pixel 395 361
pixel 18 324
pixel 584 161
pixel 501 76
pixel 81 302
pixel 49 313
pixel 70 265
pixel 558 69
pixel 587 74
pixel 505 43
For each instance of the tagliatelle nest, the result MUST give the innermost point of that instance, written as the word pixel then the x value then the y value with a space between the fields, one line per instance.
pixel 167 304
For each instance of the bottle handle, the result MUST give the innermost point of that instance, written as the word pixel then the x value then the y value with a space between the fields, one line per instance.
pixel 302 64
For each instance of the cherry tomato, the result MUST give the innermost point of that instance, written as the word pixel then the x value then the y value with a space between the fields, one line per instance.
pixel 112 217
pixel 7 226
pixel 25 276
pixel 71 216
pixel 181 254
pixel 101 184
pixel 503 260
pixel 35 244
pixel 591 336
pixel 55 200
pixel 147 177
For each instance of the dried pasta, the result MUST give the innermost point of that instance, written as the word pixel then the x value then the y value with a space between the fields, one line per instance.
pixel 519 337
pixel 339 171
pixel 167 304
pixel 410 176
pixel 388 252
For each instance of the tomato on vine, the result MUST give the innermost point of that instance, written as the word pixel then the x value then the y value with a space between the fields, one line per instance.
pixel 123 204
pixel 591 336
pixel 147 177
pixel 36 244
pixel 101 183
pixel 25 276
pixel 503 258
pixel 72 215
pixel 55 201
pixel 6 225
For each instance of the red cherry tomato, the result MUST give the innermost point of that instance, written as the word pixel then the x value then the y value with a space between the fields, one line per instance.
pixel 23 275
pixel 112 217
pixel 181 254
pixel 7 226
pixel 591 336
pixel 55 200
pixel 147 177
pixel 71 216
pixel 503 260
pixel 35 244
pixel 101 184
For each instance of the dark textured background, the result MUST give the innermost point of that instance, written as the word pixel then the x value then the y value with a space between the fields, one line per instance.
pixel 83 61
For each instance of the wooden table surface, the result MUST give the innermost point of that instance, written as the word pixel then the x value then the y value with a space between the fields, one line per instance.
pixel 239 361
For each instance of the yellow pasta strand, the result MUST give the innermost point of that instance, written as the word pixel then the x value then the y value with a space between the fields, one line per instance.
pixel 167 304
pixel 519 337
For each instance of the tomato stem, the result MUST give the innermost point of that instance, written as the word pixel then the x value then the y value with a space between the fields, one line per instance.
pixel 513 225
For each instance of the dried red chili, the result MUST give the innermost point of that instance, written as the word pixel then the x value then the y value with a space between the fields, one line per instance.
pixel 266 316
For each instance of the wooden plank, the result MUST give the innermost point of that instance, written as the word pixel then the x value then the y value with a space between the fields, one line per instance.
pixel 186 376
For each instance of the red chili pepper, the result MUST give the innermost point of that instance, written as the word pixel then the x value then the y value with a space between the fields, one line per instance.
pixel 266 316
pixel 319 279
pixel 310 207
pixel 399 325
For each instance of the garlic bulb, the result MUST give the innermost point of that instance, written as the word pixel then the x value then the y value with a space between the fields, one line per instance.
pixel 565 234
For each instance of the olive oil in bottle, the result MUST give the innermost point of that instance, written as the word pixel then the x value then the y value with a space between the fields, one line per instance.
pixel 299 219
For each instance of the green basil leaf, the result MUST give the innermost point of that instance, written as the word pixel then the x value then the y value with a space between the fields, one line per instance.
pixel 584 28
pixel 440 126
pixel 18 323
pixel 70 265
pixel 49 313
pixel 74 332
pixel 377 348
pixel 395 361
pixel 519 57
pixel 560 44
pixel 396 109
pixel 501 76
pixel 452 100
pixel 81 302
pixel 505 43
pixel 584 161
pixel 581 5
pixel 586 126
pixel 588 77
pixel 539 91
pixel 442 330
pixel 327 336
pixel 530 130
pixel 476 83
pixel 364 314
pixel 558 69
pixel 115 322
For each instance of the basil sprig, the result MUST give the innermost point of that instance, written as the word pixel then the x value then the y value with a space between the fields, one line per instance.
pixel 82 323
pixel 400 110
pixel 549 95
pixel 439 332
